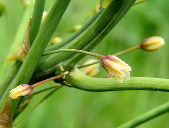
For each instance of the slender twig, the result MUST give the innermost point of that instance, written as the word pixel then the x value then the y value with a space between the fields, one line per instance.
pixel 73 50
pixel 153 113
pixel 127 50
pixel 47 80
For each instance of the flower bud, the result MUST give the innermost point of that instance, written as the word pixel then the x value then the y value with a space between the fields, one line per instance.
pixel 91 70
pixel 105 3
pixel 116 67
pixel 44 15
pixel 77 27
pixel 55 40
pixel 152 43
pixel 96 9
pixel 21 90
pixel 26 3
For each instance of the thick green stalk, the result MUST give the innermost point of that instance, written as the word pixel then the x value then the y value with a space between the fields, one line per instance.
pixel 79 80
pixel 41 41
pixel 36 19
pixel 108 18
pixel 9 77
pixel 153 113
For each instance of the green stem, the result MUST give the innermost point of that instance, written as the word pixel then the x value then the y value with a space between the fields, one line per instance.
pixel 153 113
pixel 127 50
pixel 139 2
pixel 47 80
pixel 79 80
pixel 9 77
pixel 73 50
pixel 36 19
pixel 46 89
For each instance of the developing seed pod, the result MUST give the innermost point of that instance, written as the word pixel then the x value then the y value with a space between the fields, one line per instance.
pixel 91 70
pixel 116 67
pixel 6 116
pixel 152 43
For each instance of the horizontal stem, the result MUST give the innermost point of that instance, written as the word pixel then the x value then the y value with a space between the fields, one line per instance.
pixel 47 80
pixel 147 116
pixel 127 50
pixel 79 80
pixel 73 50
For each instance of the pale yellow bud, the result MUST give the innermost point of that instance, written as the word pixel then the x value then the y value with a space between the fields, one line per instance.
pixel 116 67
pixel 21 90
pixel 96 9
pixel 152 43
pixel 105 3
pixel 44 15
pixel 77 27
pixel 55 40
pixel 91 70
pixel 26 2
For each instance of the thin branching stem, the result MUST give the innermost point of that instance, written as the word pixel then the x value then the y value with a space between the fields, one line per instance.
pixel 73 50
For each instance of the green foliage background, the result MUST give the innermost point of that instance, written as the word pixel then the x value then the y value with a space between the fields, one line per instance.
pixel 73 108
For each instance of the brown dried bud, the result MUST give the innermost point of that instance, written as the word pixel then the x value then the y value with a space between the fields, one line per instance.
pixel 116 67
pixel 152 43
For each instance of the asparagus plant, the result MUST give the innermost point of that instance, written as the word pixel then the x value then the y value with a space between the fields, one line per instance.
pixel 36 63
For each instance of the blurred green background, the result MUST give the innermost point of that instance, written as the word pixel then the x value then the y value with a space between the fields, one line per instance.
pixel 73 108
